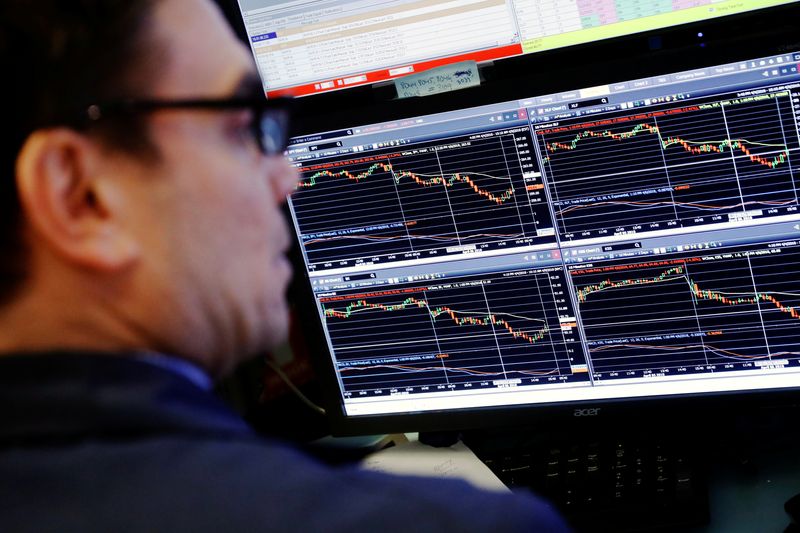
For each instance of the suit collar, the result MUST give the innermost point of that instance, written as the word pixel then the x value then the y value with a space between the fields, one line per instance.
pixel 69 395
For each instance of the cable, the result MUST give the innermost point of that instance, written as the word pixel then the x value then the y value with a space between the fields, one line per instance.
pixel 281 374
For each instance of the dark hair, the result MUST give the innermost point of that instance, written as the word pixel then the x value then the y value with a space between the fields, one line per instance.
pixel 60 56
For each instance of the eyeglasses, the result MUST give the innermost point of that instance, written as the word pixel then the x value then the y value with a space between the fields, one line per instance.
pixel 270 127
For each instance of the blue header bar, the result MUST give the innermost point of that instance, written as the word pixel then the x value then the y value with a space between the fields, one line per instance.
pixel 264 37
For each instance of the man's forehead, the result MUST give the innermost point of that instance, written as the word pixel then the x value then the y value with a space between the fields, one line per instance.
pixel 203 56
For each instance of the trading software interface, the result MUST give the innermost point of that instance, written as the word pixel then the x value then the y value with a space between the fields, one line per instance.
pixel 310 46
pixel 640 238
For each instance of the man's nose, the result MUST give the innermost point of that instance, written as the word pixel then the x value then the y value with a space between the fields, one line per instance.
pixel 284 177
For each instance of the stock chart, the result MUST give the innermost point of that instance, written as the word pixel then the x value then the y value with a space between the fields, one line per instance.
pixel 650 240
pixel 425 198
pixel 481 331
pixel 731 310
pixel 714 161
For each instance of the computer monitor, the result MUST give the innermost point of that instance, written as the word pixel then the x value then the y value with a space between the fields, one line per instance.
pixel 608 245
pixel 307 47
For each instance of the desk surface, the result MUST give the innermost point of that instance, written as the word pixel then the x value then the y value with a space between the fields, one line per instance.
pixel 749 482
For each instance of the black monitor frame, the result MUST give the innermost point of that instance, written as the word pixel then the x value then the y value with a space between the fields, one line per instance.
pixel 726 39
pixel 719 41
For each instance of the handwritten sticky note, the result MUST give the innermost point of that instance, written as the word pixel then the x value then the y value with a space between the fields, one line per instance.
pixel 439 80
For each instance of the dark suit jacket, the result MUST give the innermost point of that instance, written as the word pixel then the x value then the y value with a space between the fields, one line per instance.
pixel 113 444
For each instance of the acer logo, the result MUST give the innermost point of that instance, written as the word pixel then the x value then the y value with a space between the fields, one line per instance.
pixel 587 412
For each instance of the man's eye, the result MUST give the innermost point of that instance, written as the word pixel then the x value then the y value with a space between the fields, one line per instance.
pixel 245 133
pixel 242 129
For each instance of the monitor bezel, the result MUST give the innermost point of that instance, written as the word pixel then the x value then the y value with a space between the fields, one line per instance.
pixel 648 54
pixel 636 40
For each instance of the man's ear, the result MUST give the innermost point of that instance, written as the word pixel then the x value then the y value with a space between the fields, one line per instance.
pixel 67 203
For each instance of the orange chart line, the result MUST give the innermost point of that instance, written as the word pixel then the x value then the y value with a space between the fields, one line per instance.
pixel 457 177
pixel 679 349
pixel 677 204
pixel 488 320
pixel 452 369
pixel 688 146
pixel 702 294
pixel 444 238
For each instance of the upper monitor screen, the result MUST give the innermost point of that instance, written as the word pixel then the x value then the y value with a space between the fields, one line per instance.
pixel 637 239
pixel 307 47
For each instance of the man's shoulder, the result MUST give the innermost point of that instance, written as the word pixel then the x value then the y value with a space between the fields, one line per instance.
pixel 116 445
pixel 348 498
pixel 207 484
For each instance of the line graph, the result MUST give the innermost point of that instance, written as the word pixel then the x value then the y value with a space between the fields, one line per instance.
pixel 704 346
pixel 413 236
pixel 687 205
pixel 501 330
pixel 720 159
pixel 696 313
pixel 424 180
pixel 447 369
pixel 461 318
pixel 679 272
pixel 431 198
pixel 693 147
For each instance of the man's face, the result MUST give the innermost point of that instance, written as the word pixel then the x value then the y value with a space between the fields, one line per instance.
pixel 208 215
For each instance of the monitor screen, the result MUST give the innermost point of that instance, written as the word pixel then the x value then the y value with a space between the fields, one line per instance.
pixel 639 239
pixel 307 47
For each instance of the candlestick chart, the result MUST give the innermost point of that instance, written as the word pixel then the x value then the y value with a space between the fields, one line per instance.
pixel 676 166
pixel 426 197
pixel 696 313
pixel 474 331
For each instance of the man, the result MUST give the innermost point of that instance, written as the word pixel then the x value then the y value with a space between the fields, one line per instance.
pixel 143 252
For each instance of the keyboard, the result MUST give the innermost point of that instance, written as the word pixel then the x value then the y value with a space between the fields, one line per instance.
pixel 624 485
